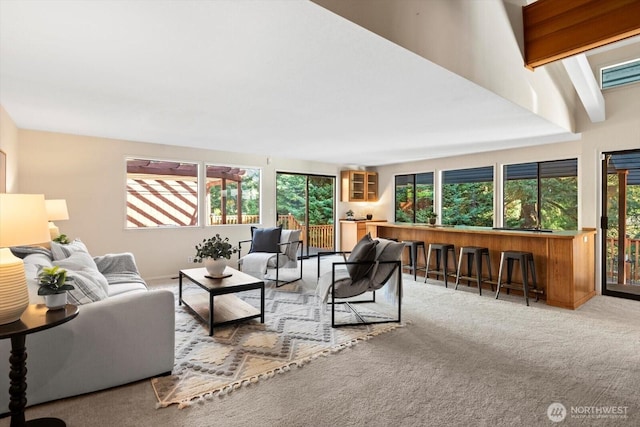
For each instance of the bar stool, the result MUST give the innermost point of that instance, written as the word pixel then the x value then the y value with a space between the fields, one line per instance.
pixel 413 246
pixel 442 251
pixel 526 265
pixel 474 254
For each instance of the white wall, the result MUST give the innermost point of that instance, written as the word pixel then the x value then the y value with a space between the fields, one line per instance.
pixel 90 174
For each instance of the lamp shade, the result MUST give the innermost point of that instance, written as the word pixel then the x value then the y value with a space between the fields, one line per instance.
pixel 57 209
pixel 23 221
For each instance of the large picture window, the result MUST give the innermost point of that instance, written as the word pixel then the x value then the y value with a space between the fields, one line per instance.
pixel 467 197
pixel 234 195
pixel 161 193
pixel 541 194
pixel 413 197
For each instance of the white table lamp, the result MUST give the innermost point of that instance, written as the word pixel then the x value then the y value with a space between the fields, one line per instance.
pixel 23 221
pixel 56 211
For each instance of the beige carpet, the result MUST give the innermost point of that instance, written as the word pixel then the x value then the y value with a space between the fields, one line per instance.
pixel 463 360
pixel 297 330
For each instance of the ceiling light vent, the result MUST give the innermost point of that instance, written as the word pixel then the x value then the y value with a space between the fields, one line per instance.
pixel 620 74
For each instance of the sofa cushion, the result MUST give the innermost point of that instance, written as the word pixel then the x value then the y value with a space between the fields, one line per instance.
pixel 364 251
pixel 126 288
pixel 89 284
pixel 119 269
pixel 62 251
pixel 37 260
pixel 265 239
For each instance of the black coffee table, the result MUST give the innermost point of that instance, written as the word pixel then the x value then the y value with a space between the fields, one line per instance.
pixel 228 308
pixel 37 317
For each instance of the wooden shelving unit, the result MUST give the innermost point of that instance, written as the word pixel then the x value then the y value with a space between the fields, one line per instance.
pixel 359 186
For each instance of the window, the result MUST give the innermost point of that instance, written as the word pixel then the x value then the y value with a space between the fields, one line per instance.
pixel 307 202
pixel 467 197
pixel 620 74
pixel 161 194
pixel 414 197
pixel 404 198
pixel 234 195
pixel 542 194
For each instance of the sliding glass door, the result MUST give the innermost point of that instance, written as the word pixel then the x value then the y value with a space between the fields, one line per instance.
pixel 307 202
pixel 621 224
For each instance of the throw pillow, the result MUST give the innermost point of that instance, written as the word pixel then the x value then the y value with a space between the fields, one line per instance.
pixel 265 239
pixel 24 251
pixel 61 251
pixel 364 251
pixel 90 285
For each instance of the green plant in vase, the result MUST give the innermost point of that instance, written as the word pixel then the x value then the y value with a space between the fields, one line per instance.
pixel 215 247
pixel 62 239
pixel 212 252
pixel 431 216
pixel 53 286
pixel 53 280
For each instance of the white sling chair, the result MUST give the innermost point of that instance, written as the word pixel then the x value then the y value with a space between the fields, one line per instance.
pixel 272 249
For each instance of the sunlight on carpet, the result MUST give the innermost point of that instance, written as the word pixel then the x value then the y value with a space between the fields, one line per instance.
pixel 296 331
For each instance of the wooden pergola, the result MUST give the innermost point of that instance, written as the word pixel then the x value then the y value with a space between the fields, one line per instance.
pixel 216 176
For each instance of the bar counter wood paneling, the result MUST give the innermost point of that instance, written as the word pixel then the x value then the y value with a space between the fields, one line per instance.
pixel 565 263
pixel 351 231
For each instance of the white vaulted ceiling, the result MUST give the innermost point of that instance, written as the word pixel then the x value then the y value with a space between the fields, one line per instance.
pixel 283 78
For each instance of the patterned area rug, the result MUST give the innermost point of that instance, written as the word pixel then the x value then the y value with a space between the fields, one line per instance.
pixel 297 329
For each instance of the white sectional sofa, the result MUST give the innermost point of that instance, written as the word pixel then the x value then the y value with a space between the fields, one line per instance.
pixel 126 336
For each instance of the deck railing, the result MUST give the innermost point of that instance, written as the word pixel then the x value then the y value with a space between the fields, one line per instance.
pixel 632 260
pixel 233 219
pixel 320 236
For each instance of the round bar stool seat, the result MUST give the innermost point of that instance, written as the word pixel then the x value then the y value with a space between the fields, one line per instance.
pixel 413 246
pixel 474 254
pixel 442 251
pixel 527 268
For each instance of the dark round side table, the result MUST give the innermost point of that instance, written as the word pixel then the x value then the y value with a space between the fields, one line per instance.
pixel 37 317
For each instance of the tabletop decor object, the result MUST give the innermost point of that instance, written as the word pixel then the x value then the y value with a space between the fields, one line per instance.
pixel 53 286
pixel 213 252
pixel 62 239
pixel 431 216
pixel 23 221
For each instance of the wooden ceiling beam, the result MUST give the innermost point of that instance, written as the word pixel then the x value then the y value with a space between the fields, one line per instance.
pixel 557 29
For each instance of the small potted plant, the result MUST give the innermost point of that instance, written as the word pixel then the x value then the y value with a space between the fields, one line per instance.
pixel 431 216
pixel 350 215
pixel 54 286
pixel 212 252
pixel 62 239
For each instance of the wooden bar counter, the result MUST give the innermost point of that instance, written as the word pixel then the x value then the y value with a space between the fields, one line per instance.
pixel 565 263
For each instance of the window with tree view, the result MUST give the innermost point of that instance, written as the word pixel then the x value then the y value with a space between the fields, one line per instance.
pixel 413 197
pixel 467 197
pixel 234 195
pixel 541 195
pixel 161 193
